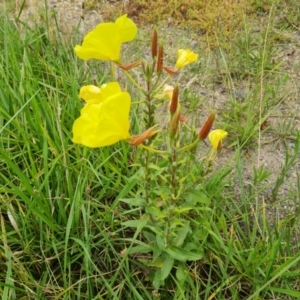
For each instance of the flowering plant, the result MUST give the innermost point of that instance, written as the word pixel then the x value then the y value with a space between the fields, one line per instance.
pixel 165 209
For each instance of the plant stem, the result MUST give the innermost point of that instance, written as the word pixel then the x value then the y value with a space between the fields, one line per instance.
pixel 112 71
pixel 173 184
pixel 132 80
pixel 173 172
pixel 150 117
pixel 149 123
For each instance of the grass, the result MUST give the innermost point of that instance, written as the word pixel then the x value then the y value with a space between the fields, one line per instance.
pixel 62 206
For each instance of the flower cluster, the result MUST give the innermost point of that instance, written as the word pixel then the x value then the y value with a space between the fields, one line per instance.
pixel 104 119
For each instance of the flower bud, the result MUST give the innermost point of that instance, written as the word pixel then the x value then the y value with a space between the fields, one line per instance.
pixel 130 66
pixel 174 123
pixel 154 44
pixel 174 100
pixel 147 69
pixel 170 71
pixel 136 140
pixel 207 126
pixel 160 59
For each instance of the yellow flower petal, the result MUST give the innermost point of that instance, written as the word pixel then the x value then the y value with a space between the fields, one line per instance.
pixel 90 94
pixel 185 57
pixel 110 89
pixel 216 136
pixel 104 123
pixel 167 92
pixel 128 29
pixel 104 42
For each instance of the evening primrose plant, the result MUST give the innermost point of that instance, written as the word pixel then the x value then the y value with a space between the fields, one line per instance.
pixel 163 215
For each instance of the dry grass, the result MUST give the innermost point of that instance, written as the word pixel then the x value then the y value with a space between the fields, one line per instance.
pixel 221 18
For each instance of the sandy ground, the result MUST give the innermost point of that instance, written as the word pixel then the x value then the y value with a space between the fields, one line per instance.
pixel 69 14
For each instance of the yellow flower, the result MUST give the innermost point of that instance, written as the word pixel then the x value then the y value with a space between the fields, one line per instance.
pixel 90 94
pixel 216 137
pixel 167 92
pixel 185 57
pixel 103 121
pixel 104 42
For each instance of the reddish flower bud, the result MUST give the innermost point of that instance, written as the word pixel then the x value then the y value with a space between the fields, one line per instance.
pixel 154 44
pixel 170 71
pixel 160 59
pixel 136 140
pixel 207 126
pixel 130 66
pixel 174 101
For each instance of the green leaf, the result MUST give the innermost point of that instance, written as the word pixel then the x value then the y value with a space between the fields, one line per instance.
pixel 154 211
pixel 181 273
pixel 132 223
pixel 182 209
pixel 194 196
pixel 126 189
pixel 155 167
pixel 150 237
pixel 167 267
pixel 157 252
pixel 140 249
pixel 181 235
pixel 139 224
pixel 157 263
pixel 157 282
pixel 291 293
pixel 183 255
pixel 134 201
pixel 160 241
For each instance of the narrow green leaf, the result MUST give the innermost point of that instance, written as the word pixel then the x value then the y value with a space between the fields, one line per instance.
pixel 132 223
pixel 125 191
pixel 134 201
pixel 140 249
pixel 155 211
pixel 182 209
pixel 181 272
pixel 286 292
pixel 181 235
pixel 139 224
pixel 157 282
pixel 167 267
pixel 183 255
